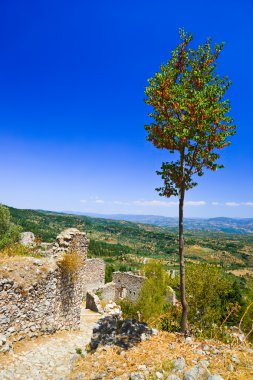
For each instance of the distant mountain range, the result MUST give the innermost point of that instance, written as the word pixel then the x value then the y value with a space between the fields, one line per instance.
pixel 219 224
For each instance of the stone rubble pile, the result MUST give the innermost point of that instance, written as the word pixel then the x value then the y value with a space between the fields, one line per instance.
pixel 111 330
pixel 178 372
pixel 93 302
pixel 112 309
pixel 27 239
pixel 195 373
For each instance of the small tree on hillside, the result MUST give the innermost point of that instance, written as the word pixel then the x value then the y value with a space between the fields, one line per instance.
pixel 4 220
pixel 190 120
pixel 9 232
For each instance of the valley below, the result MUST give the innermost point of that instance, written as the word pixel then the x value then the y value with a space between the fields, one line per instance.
pixel 125 244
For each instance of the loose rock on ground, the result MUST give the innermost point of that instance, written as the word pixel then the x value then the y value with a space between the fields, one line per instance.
pixel 49 357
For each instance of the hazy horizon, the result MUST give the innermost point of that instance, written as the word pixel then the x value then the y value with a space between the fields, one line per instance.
pixel 90 213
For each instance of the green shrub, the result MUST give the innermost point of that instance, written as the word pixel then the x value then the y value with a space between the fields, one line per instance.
pixel 129 309
pixel 169 320
pixel 4 220
pixel 247 312
pixel 152 298
pixel 9 232
pixel 109 269
pixel 212 295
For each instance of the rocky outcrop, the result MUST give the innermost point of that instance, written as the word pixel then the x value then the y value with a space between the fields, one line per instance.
pixel 112 309
pixel 27 239
pixel 111 330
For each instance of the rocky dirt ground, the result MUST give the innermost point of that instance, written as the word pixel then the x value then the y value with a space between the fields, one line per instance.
pixel 48 357
pixel 167 357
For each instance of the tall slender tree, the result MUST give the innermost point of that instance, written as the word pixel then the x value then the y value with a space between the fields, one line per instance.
pixel 190 119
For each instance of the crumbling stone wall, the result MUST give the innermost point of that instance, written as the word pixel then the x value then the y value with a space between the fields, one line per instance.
pixel 128 284
pixel 36 296
pixel 107 292
pixel 93 276
pixel 93 302
pixel 70 240
pixel 124 285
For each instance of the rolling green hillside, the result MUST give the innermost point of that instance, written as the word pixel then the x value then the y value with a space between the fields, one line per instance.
pixel 127 241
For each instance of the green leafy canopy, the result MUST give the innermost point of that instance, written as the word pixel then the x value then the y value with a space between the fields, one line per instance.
pixel 190 114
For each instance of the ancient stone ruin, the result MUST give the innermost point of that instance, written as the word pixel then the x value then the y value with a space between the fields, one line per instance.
pixel 128 284
pixel 125 285
pixel 42 295
pixel 39 296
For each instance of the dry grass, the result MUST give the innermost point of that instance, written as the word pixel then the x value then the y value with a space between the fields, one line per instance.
pixel 17 250
pixel 242 272
pixel 23 271
pixel 159 352
pixel 70 263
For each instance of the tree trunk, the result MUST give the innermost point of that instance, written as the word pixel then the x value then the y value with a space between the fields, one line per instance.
pixel 184 319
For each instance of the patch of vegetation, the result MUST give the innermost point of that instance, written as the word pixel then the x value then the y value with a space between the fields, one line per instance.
pixel 152 301
pixel 101 249
pixel 17 249
pixel 70 264
pixel 152 298
pixel 212 296
pixel 9 232
pixel 217 300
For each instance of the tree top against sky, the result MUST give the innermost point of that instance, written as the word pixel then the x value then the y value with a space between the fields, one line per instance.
pixel 190 115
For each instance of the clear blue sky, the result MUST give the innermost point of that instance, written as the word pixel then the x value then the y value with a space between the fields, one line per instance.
pixel 72 78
